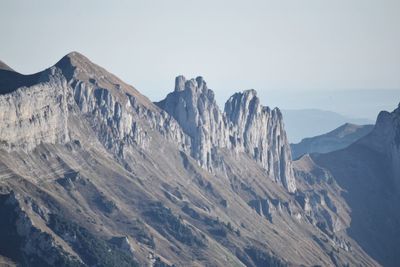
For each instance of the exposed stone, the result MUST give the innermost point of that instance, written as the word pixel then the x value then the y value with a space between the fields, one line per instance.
pixel 245 126
pixel 259 132
pixel 195 109
pixel 33 115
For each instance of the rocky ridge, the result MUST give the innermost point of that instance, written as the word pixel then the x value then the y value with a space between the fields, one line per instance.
pixel 245 126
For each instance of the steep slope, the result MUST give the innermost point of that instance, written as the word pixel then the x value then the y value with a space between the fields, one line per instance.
pixel 368 171
pixel 96 174
pixel 339 138
pixel 193 106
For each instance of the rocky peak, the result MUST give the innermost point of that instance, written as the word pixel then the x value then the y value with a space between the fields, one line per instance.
pixel 194 107
pixel 244 127
pixel 259 131
pixel 180 83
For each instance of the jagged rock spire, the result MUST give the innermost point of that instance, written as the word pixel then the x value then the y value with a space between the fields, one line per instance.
pixel 259 132
pixel 244 126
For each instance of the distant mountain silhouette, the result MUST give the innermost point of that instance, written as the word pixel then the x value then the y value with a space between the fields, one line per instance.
pixel 303 123
pixel 334 140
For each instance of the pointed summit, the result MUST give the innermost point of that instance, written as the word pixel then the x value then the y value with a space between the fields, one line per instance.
pixel 77 68
pixel 76 60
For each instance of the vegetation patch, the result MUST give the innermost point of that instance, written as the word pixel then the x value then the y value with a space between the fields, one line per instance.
pixel 166 223
pixel 92 250
pixel 104 204
pixel 263 258
pixel 141 233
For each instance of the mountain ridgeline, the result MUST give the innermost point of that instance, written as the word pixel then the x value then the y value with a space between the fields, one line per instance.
pixel 336 139
pixel 92 173
pixel 245 126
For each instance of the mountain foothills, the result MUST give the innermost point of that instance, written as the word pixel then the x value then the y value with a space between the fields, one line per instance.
pixel 92 173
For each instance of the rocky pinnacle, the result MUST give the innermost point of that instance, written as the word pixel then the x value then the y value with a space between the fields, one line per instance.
pixel 244 126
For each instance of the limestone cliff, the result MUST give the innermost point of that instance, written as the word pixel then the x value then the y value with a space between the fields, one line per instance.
pixel 193 106
pixel 259 131
pixel 245 126
pixel 35 114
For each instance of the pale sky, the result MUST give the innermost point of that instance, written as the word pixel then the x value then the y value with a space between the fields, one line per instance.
pixel 281 48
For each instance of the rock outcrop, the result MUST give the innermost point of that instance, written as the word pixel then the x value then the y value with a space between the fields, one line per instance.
pixel 194 107
pixel 36 114
pixel 121 116
pixel 245 126
pixel 259 132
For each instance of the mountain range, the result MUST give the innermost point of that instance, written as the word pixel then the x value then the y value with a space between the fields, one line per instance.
pixel 92 173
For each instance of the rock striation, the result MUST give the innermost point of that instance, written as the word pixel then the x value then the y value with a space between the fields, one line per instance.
pixel 385 140
pixel 245 126
pixel 36 114
pixel 194 107
pixel 259 131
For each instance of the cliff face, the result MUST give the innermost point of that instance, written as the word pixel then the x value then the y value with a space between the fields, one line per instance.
pixel 259 132
pixel 193 106
pixel 245 126
pixel 33 115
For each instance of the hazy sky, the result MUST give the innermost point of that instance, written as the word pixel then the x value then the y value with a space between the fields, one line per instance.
pixel 281 48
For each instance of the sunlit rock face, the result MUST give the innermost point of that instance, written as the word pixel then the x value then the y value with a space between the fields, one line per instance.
pixel 35 114
pixel 244 126
pixel 259 131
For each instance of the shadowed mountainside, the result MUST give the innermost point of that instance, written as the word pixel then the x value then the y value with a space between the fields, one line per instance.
pixel 369 172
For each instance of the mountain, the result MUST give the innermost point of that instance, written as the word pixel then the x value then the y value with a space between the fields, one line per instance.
pixel 369 173
pixel 92 173
pixel 303 123
pixel 337 139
